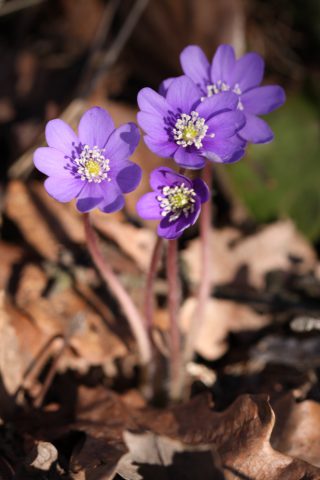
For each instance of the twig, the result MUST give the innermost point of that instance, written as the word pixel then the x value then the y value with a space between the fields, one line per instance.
pixel 133 316
pixel 50 375
pixel 102 32
pixel 121 39
pixel 17 5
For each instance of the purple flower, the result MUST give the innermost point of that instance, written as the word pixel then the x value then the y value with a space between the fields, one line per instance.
pixel 242 77
pixel 179 125
pixel 92 167
pixel 176 201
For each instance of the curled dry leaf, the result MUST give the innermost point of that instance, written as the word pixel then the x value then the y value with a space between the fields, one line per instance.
pixel 240 434
pixel 42 456
pixel 297 429
pixel 271 248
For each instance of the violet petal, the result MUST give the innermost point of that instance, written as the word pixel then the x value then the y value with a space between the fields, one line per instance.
pixel 128 177
pixel 163 149
pixel 113 199
pixel 153 125
pixel 248 71
pixel 263 100
pixel 61 137
pixel 256 130
pixel 95 127
pixel 89 197
pixel 148 207
pixel 201 189
pixel 189 159
pixel 51 162
pixel 122 142
pixel 224 125
pixel 217 103
pixel 152 102
pixel 65 190
pixel 222 64
pixel 164 176
pixel 195 65
pixel 183 94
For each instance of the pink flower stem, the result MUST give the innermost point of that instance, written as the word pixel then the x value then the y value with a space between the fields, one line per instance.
pixel 149 288
pixel 133 316
pixel 205 273
pixel 173 303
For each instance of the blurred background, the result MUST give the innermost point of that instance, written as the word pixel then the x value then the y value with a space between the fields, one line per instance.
pixel 57 53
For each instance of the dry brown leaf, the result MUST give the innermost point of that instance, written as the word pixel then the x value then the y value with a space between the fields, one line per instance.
pixel 103 417
pixel 11 366
pixel 135 242
pixel 297 429
pixel 10 255
pixel 53 315
pixel 22 211
pixel 161 458
pixel 220 318
pixel 63 215
pixel 269 249
pixel 238 438
pixel 240 434
pixel 42 456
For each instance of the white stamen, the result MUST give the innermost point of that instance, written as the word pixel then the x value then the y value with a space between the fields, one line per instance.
pixel 176 201
pixel 92 165
pixel 190 130
pixel 219 87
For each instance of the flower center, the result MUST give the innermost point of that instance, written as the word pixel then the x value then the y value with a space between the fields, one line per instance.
pixel 190 130
pixel 92 165
pixel 176 201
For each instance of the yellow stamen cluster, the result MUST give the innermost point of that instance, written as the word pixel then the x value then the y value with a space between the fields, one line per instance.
pixel 92 165
pixel 190 130
pixel 176 201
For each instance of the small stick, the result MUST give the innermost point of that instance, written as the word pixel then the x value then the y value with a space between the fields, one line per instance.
pixel 50 375
pixel 133 316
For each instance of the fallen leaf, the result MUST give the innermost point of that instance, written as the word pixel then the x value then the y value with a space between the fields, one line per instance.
pixel 271 248
pixel 161 458
pixel 22 211
pixel 240 434
pixel 220 318
pixel 11 366
pixel 297 429
pixel 42 456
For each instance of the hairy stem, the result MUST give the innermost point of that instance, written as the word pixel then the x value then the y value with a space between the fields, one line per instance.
pixel 173 301
pixel 149 288
pixel 133 316
pixel 205 274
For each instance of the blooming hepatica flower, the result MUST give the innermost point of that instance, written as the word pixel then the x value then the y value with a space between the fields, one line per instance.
pixel 179 125
pixel 175 201
pixel 92 167
pixel 242 77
